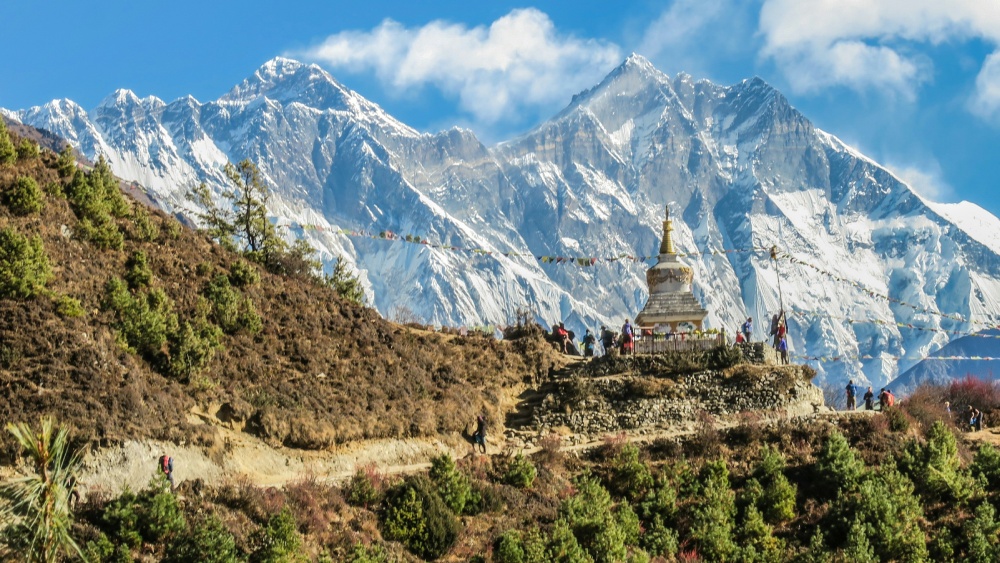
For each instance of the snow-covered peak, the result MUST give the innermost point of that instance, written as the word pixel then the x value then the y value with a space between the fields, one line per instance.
pixel 124 98
pixel 286 80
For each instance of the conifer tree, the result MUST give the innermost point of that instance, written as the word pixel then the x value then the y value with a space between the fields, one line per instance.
pixel 713 518
pixel 837 467
pixel 8 152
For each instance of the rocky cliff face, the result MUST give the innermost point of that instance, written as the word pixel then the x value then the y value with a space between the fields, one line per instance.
pixel 740 167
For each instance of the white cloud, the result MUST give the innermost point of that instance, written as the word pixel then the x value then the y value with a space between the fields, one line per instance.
pixel 927 179
pixel 520 62
pixel 868 44
pixel 986 101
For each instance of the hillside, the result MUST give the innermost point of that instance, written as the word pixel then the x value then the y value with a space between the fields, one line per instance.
pixel 313 372
pixel 935 370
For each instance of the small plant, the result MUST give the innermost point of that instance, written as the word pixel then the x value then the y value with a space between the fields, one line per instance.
pixel 452 485
pixel 207 541
pixel 143 227
pixel 24 265
pixel 520 472
pixel 415 515
pixel 24 197
pixel 364 487
pixel 192 347
pixel 143 321
pixel 27 150
pixel 243 274
pixel 279 541
pixel 69 307
pixel 230 310
pixel 628 476
pixel 137 273
pixel 898 422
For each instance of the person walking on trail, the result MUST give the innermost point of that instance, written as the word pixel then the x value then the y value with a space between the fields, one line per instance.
pixel 562 337
pixel 783 350
pixel 869 399
pixel 748 329
pixel 479 436
pixel 607 340
pixel 628 338
pixel 588 344
pixel 852 391
pixel 166 466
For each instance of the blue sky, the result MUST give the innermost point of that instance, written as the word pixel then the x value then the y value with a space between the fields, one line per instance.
pixel 915 84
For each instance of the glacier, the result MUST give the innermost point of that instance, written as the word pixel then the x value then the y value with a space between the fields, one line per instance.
pixel 741 169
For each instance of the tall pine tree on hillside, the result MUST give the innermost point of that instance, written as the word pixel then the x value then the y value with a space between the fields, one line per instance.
pixel 8 153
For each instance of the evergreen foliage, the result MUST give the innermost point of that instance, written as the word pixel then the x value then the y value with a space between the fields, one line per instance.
pixel 935 468
pixel 279 541
pixel 24 197
pixel 230 310
pixel 27 150
pixel 361 491
pixel 777 501
pixel 712 519
pixel 66 164
pixel 97 201
pixel 8 154
pixel 451 484
pixel 982 535
pixel 207 541
pixel 69 307
pixel 243 274
pixel 837 467
pixel 137 271
pixel 520 472
pixel 986 465
pixel 37 511
pixel 346 283
pixel 628 476
pixel 889 514
pixel 192 347
pixel 153 515
pixel 24 265
pixel 415 515
pixel 143 228
pixel 143 320
pixel 563 546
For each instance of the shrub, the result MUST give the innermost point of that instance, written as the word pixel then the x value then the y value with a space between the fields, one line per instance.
pixel 982 534
pixel 192 347
pixel 24 197
pixel 898 421
pixel 8 154
pixel 508 548
pixel 69 307
pixel 659 539
pixel 986 466
pixel 415 515
pixel 278 541
pixel 563 546
pixel 143 227
pixel 230 310
pixel 451 484
pixel 757 538
pixel 143 321
pixel 97 200
pixel 24 265
pixel 66 164
pixel 777 501
pixel 837 468
pixel 363 488
pixel 520 472
pixel 137 273
pixel 27 150
pixel 971 390
pixel 243 274
pixel 207 541
pixel 713 519
pixel 368 554
pixel 152 516
pixel 935 467
pixel 629 477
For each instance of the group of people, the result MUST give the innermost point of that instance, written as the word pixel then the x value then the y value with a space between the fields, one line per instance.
pixel 885 398
pixel 565 340
pixel 778 333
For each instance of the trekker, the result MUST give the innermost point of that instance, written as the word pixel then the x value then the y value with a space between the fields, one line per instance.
pixel 166 466
pixel 607 340
pixel 852 391
pixel 628 338
pixel 739 337
pixel 562 337
pixel 479 437
pixel 774 330
pixel 783 350
pixel 883 399
pixel 588 344
pixel 869 399
pixel 890 397
pixel 748 329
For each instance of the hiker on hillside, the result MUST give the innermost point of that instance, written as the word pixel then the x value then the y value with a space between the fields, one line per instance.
pixel 783 350
pixel 628 338
pixel 748 329
pixel 852 391
pixel 166 466
pixel 588 344
pixel 739 337
pixel 883 399
pixel 479 436
pixel 890 398
pixel 782 329
pixel 869 399
pixel 607 340
pixel 975 419
pixel 561 336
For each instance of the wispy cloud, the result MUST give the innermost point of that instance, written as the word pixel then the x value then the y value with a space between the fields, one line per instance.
pixel 868 44
pixel 926 178
pixel 520 63
pixel 986 100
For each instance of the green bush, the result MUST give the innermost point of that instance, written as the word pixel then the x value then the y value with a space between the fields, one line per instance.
pixel 151 516
pixel 243 274
pixel 757 539
pixel 24 197
pixel 24 265
pixel 837 468
pixel 8 154
pixel 982 535
pixel 628 522
pixel 713 518
pixel 986 466
pixel 144 228
pixel 230 310
pixel 659 539
pixel 66 164
pixel 777 501
pixel 563 546
pixel 629 477
pixel 415 515
pixel 69 307
pixel 279 541
pixel 207 541
pixel 137 271
pixel 897 419
pixel 28 150
pixel 143 321
pixel 508 548
pixel 97 200
pixel 935 467
pixel 361 490
pixel 192 347
pixel 520 472
pixel 368 554
pixel 452 485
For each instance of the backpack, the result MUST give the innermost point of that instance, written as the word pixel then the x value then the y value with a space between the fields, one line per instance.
pixel 165 463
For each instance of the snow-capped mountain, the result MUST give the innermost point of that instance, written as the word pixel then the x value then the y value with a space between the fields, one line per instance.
pixel 740 168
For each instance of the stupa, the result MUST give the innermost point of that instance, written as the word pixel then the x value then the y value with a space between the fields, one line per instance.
pixel 671 306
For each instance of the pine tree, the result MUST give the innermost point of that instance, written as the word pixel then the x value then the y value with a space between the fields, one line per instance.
pixel 8 152
pixel 346 283
pixel 713 518
pixel 837 467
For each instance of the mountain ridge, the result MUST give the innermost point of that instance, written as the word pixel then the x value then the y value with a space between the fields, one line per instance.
pixel 742 168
